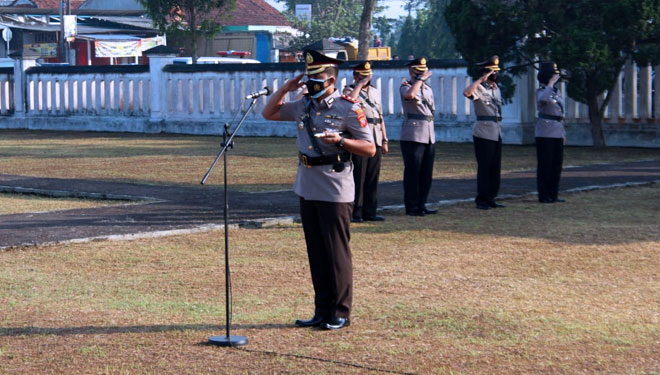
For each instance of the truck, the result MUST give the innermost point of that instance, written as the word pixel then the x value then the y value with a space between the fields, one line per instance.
pixel 347 49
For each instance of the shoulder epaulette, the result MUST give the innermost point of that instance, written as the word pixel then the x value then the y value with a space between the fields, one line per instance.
pixel 349 99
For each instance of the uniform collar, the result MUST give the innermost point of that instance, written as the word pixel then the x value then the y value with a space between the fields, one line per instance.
pixel 329 100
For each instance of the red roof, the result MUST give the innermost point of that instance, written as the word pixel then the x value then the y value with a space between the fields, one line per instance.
pixel 255 12
pixel 54 4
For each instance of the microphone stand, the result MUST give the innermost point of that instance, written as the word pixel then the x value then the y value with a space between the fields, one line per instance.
pixel 227 142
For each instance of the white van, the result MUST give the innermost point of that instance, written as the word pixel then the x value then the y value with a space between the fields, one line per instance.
pixel 215 60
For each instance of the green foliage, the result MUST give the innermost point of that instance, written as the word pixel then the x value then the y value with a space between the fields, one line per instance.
pixel 188 19
pixel 407 43
pixel 590 39
pixel 428 33
pixel 334 18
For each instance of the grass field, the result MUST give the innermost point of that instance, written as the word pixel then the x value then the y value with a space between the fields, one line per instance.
pixel 568 288
pixel 256 164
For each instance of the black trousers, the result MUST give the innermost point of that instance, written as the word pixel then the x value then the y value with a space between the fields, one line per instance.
pixel 489 164
pixel 417 174
pixel 327 234
pixel 549 157
pixel 366 171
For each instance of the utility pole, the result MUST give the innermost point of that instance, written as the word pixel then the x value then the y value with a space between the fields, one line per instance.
pixel 61 36
pixel 64 8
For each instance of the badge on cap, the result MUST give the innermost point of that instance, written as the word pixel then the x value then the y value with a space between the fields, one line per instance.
pixel 422 61
pixel 367 66
pixel 309 58
pixel 496 60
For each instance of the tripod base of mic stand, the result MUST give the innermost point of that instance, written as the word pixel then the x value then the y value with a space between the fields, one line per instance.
pixel 232 341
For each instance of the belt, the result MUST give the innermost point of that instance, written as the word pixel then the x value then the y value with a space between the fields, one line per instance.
pixel 310 161
pixel 419 117
pixel 551 117
pixel 489 118
pixel 372 120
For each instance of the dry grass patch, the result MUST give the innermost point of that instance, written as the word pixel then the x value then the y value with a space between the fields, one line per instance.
pixel 256 164
pixel 529 289
pixel 25 203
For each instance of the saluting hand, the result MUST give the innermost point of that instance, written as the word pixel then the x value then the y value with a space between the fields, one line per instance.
pixel 553 80
pixel 426 75
pixel 485 76
pixel 294 84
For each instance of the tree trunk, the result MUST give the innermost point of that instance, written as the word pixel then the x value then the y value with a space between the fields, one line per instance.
pixel 596 120
pixel 365 29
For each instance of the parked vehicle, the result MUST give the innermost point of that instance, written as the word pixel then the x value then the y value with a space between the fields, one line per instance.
pixel 215 60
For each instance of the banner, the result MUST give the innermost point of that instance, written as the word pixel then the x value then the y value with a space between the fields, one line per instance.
pixel 126 48
pixel 107 48
pixel 70 28
pixel 43 49
pixel 147 43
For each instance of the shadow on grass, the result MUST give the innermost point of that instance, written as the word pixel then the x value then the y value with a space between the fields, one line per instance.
pixel 95 330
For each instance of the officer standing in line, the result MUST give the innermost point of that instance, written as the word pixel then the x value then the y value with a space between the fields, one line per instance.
pixel 330 128
pixel 367 169
pixel 417 138
pixel 487 132
pixel 550 133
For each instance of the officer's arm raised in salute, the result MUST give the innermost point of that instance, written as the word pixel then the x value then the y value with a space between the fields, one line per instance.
pixel 273 107
pixel 469 91
pixel 414 88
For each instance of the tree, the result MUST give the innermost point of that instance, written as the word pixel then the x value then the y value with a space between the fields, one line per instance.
pixel 407 38
pixel 330 18
pixel 434 31
pixel 384 27
pixel 590 39
pixel 365 29
pixel 188 19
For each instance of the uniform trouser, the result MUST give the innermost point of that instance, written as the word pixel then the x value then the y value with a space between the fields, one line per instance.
pixel 549 157
pixel 417 174
pixel 489 164
pixel 365 173
pixel 326 227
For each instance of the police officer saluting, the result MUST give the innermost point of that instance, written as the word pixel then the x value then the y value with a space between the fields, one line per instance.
pixel 367 169
pixel 487 132
pixel 550 133
pixel 417 138
pixel 330 128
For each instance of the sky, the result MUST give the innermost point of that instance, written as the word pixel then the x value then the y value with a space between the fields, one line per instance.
pixel 394 7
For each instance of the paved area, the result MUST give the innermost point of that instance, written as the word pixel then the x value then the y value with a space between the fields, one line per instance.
pixel 173 208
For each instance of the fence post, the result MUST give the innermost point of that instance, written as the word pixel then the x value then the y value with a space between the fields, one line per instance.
pixel 23 60
pixel 159 57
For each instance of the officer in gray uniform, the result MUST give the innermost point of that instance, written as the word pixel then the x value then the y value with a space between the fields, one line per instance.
pixel 487 132
pixel 417 138
pixel 330 128
pixel 366 170
pixel 550 133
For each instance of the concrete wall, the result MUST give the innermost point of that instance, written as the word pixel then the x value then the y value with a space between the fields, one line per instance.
pixel 188 99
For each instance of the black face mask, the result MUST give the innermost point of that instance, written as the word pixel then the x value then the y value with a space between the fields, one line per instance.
pixel 493 77
pixel 315 87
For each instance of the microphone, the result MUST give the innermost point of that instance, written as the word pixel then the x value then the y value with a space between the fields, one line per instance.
pixel 265 91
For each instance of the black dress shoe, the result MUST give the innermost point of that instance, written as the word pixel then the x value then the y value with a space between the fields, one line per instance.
pixel 316 321
pixel 429 211
pixel 336 323
pixel 495 205
pixel 356 220
pixel 546 200
pixel 414 213
pixel 374 218
pixel 483 206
